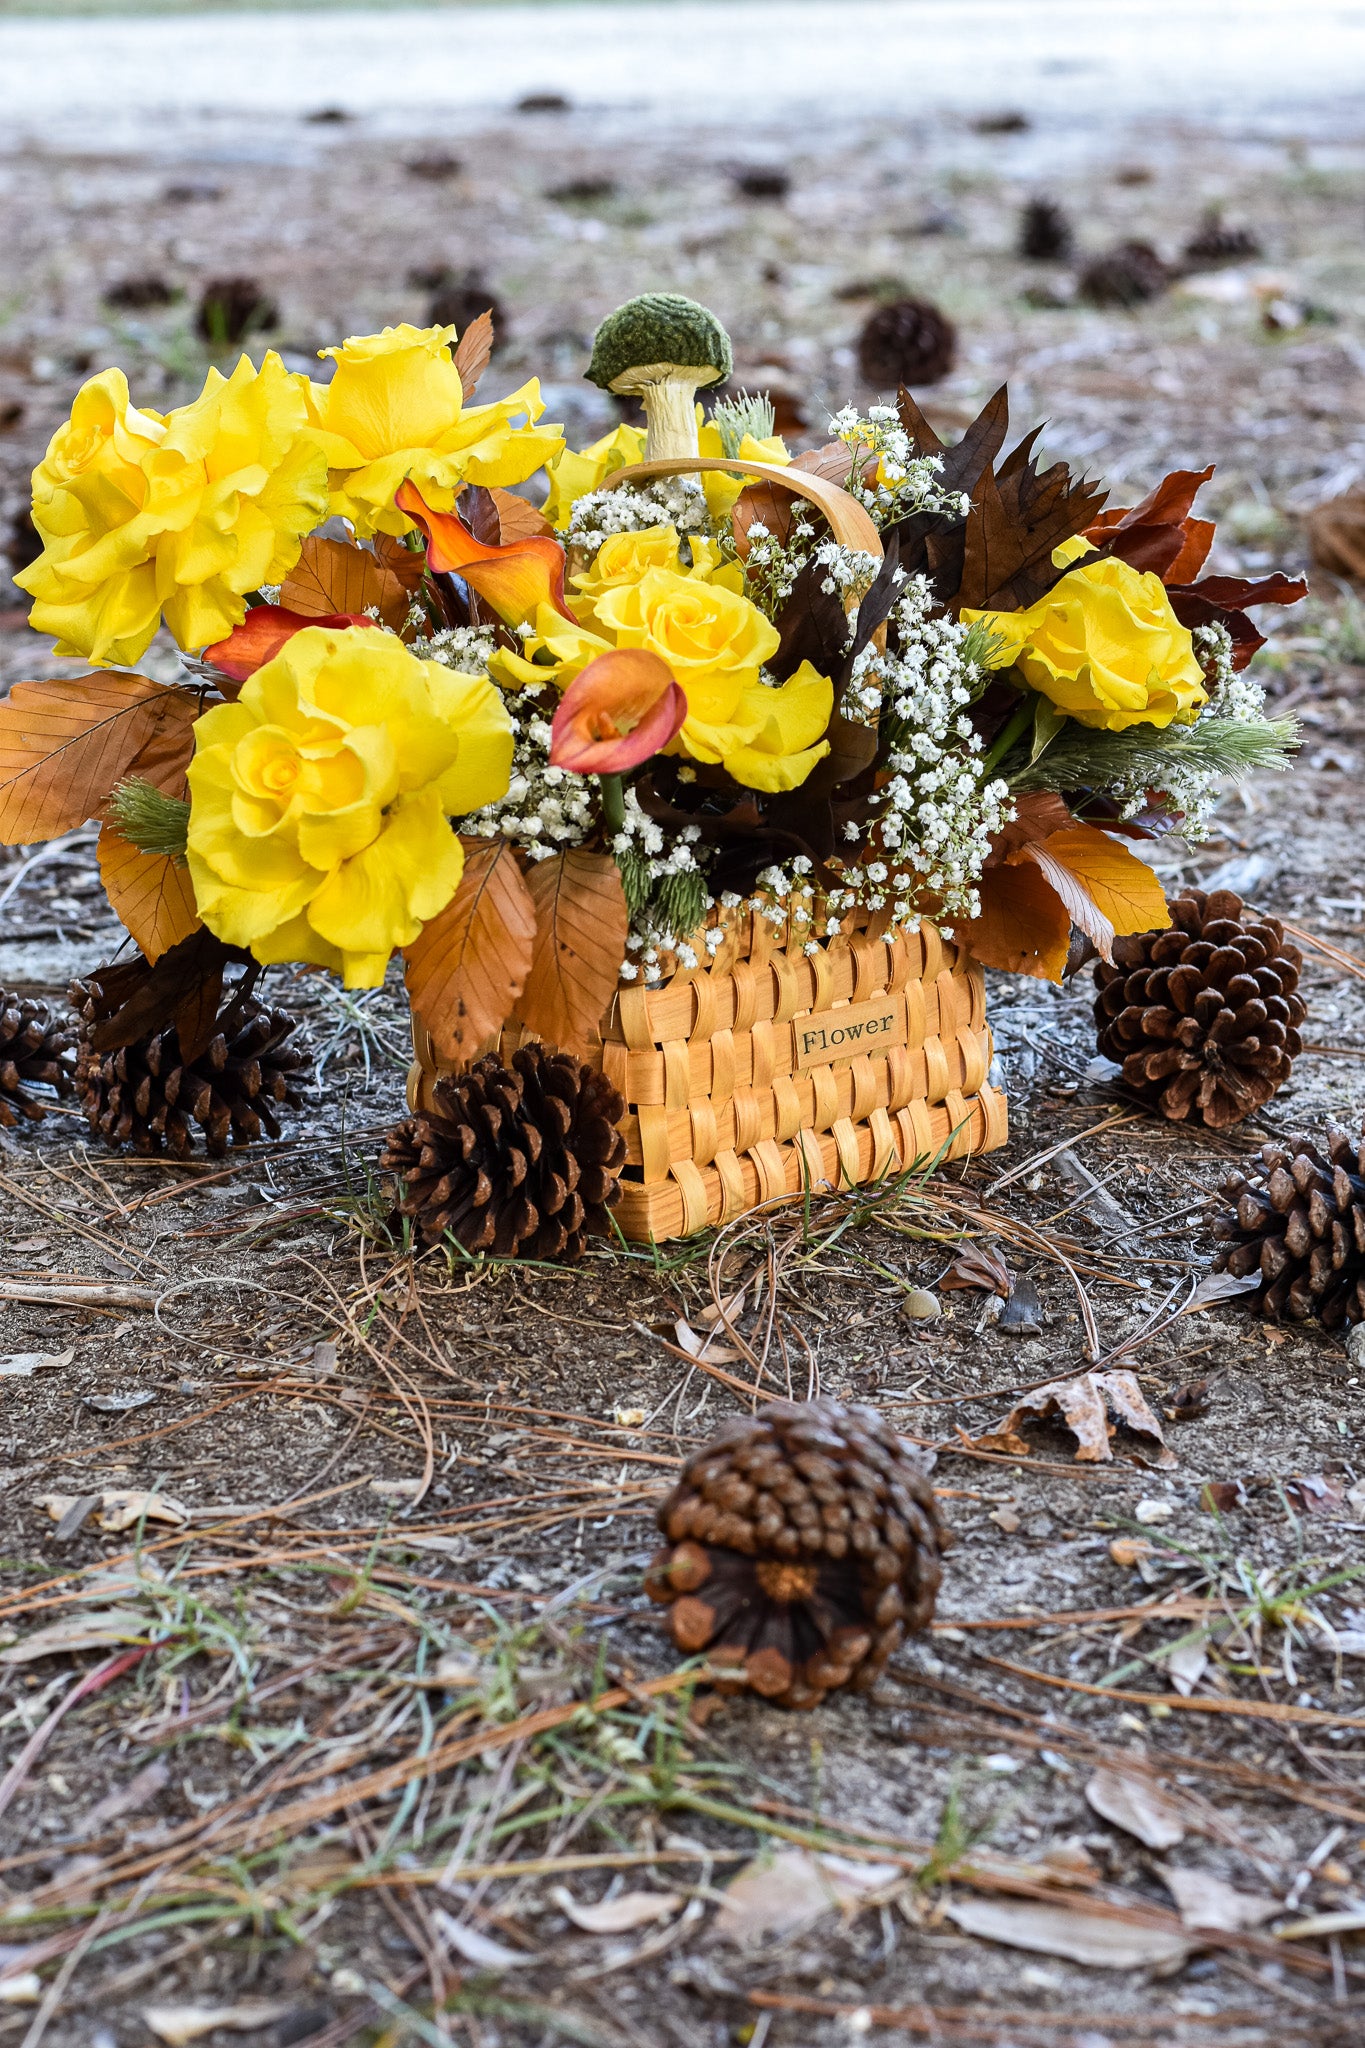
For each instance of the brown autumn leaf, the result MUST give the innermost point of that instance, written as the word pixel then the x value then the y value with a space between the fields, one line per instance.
pixel 765 504
pixel 1160 534
pixel 1125 894
pixel 469 965
pixel 474 352
pixel 1336 536
pixel 1084 1403
pixel 148 997
pixel 1023 926
pixel 978 1266
pixel 516 519
pixel 407 564
pixel 150 893
pixel 580 941
pixel 1018 516
pixel 66 744
pixel 1038 813
pixel 333 576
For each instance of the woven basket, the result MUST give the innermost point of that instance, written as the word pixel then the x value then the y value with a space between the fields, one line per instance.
pixel 783 1064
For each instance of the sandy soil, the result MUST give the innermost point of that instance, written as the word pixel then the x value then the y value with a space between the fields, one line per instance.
pixel 383 1464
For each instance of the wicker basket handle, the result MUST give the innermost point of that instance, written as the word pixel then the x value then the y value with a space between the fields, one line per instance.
pixel 851 526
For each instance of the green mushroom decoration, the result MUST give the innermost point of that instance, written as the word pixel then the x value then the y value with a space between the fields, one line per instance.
pixel 664 348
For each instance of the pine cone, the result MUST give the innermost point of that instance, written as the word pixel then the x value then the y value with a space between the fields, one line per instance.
pixel 523 1163
pixel 459 299
pixel 33 1047
pixel 145 1096
pixel 1045 232
pixel 1126 275
pixel 1203 1016
pixel 1216 244
pixel 907 342
pixel 803 1544
pixel 232 309
pixel 1301 1225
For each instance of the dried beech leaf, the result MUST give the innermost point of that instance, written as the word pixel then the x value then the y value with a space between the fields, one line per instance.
pixel 517 520
pixel 150 894
pixel 1023 926
pixel 976 1266
pixel 407 564
pixel 1073 1932
pixel 1038 814
pixel 1123 889
pixel 580 941
pixel 334 576
pixel 1072 894
pixel 65 745
pixel 1138 1805
pixel 474 352
pixel 779 1895
pixel 469 965
pixel 1208 1901
pixel 1084 1403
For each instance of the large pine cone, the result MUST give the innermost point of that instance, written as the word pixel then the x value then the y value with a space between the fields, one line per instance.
pixel 145 1095
pixel 907 342
pixel 803 1545
pixel 1216 244
pixel 1127 275
pixel 1301 1225
pixel 1045 232
pixel 522 1162
pixel 1203 1016
pixel 33 1047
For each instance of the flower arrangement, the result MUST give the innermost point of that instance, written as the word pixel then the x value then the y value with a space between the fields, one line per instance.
pixel 545 753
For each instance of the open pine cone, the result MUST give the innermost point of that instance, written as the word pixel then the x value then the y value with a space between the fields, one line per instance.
pixel 1203 1016
pixel 522 1162
pixel 906 342
pixel 1301 1225
pixel 145 1095
pixel 803 1545
pixel 33 1047
pixel 1127 275
pixel 1045 232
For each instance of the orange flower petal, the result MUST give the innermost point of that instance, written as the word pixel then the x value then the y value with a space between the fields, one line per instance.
pixel 622 708
pixel 263 633
pixel 515 578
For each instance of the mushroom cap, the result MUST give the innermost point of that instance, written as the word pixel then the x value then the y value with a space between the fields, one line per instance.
pixel 659 331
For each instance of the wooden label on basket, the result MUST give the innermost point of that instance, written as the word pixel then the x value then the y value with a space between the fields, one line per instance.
pixel 856 1028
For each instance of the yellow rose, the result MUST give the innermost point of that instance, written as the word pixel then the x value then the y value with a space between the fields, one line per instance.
pixel 320 800
pixel 1105 647
pixel 791 739
pixel 713 640
pixel 185 514
pixel 623 558
pixel 395 409
pixel 573 476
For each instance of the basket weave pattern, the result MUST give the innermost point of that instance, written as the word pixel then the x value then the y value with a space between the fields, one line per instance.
pixel 771 1069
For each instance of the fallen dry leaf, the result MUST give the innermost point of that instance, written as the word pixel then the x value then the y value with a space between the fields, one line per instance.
pixel 1186 1665
pixel 976 1266
pixel 778 1895
pixel 1185 1402
pixel 1085 1405
pixel 480 1949
pixel 616 1916
pixel 100 1631
pixel 1207 1901
pixel 21 1365
pixel 708 1347
pixel 1314 1493
pixel 1138 1805
pixel 177 2024
pixel 1070 1931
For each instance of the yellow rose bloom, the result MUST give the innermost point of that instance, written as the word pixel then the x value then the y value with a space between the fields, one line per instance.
pixel 395 409
pixel 791 740
pixel 320 800
pixel 140 513
pixel 572 475
pixel 713 640
pixel 1105 647
pixel 623 558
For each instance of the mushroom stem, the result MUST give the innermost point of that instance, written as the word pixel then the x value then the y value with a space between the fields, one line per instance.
pixel 670 403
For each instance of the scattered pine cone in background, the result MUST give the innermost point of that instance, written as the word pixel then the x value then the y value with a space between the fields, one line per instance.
pixel 1203 1016
pixel 803 1545
pixel 906 342
pixel 140 294
pixel 146 1096
pixel 232 309
pixel 1216 244
pixel 522 1162
pixel 1301 1226
pixel 1127 275
pixel 33 1047
pixel 1045 232
pixel 457 300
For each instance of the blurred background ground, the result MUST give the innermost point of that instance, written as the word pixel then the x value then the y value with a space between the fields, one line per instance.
pixel 464 1469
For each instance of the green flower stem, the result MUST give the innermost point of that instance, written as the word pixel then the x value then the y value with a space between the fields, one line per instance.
pixel 613 803
pixel 1014 730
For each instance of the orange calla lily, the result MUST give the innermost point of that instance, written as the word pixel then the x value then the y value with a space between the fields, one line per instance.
pixel 261 635
pixel 515 578
pixel 619 710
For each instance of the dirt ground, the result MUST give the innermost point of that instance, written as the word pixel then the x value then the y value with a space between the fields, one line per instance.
pixel 392 1708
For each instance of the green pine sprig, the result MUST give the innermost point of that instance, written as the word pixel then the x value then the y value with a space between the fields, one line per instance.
pixel 152 821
